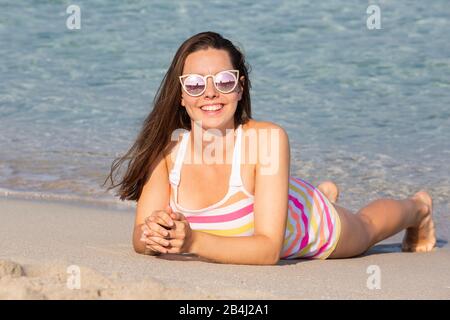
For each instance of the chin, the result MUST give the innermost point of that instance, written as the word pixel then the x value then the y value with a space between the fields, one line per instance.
pixel 216 123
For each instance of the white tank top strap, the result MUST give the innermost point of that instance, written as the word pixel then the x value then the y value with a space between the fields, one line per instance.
pixel 235 177
pixel 175 173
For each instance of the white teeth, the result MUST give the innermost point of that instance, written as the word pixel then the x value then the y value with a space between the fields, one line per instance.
pixel 212 108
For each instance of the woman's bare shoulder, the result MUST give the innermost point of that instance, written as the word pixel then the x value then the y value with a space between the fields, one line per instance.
pixel 257 124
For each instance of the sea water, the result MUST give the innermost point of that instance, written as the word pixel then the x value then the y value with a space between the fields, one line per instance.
pixel 366 108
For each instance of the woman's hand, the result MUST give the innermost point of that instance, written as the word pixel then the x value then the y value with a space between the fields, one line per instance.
pixel 155 231
pixel 166 231
pixel 181 236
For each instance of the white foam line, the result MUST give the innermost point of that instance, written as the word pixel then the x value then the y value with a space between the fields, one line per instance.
pixel 32 195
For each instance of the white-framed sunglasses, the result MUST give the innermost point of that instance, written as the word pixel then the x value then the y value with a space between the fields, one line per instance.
pixel 195 84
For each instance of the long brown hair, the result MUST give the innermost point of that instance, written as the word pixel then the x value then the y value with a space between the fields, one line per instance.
pixel 167 114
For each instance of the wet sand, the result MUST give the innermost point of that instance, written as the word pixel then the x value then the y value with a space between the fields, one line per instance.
pixel 40 240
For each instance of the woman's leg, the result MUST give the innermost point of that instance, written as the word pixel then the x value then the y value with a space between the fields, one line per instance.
pixel 383 218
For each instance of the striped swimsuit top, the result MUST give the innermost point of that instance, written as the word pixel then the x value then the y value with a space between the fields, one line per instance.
pixel 312 227
pixel 235 219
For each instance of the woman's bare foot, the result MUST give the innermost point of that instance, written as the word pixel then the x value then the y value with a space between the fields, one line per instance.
pixel 421 238
pixel 330 190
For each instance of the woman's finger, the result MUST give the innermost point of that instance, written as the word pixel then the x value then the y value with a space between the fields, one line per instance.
pixel 149 241
pixel 144 229
pixel 162 222
pixel 174 250
pixel 143 237
pixel 159 241
pixel 156 247
pixel 154 244
pixel 164 217
pixel 156 230
pixel 177 216
pixel 177 232
pixel 177 243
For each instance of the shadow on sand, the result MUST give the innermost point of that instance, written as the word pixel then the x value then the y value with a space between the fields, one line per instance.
pixel 377 249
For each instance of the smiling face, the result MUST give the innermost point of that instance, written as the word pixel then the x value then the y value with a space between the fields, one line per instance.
pixel 210 62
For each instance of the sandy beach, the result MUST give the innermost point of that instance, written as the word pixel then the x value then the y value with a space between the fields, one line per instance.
pixel 40 240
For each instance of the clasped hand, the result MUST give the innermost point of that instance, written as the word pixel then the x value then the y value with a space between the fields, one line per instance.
pixel 166 231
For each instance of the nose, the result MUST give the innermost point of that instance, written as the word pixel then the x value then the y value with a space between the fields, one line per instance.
pixel 211 90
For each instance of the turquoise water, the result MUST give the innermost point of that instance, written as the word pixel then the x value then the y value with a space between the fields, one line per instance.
pixel 369 109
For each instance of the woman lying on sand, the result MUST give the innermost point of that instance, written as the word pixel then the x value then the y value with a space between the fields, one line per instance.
pixel 179 177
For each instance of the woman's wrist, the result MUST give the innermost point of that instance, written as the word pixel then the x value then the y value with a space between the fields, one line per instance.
pixel 193 246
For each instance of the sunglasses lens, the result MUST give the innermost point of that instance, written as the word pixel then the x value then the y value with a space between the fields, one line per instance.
pixel 225 82
pixel 194 85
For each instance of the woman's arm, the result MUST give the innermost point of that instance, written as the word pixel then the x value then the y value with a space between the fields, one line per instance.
pixel 155 196
pixel 270 214
pixel 270 208
pixel 256 249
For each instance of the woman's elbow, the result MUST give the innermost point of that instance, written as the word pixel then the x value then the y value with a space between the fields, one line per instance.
pixel 274 253
pixel 138 248
pixel 273 258
pixel 274 261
